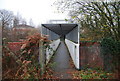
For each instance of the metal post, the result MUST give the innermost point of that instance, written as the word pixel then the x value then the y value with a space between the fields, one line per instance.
pixel 79 46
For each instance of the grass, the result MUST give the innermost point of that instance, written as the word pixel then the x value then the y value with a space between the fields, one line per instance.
pixel 92 74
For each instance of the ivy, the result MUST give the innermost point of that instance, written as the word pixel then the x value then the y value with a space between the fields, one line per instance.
pixel 110 50
pixel 111 46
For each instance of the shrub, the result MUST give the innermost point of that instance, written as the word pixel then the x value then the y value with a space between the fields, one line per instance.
pixel 25 65
pixel 110 49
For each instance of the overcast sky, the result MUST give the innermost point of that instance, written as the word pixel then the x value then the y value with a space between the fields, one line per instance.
pixel 39 11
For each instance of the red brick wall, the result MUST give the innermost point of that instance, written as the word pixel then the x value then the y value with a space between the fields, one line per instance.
pixel 14 46
pixel 90 55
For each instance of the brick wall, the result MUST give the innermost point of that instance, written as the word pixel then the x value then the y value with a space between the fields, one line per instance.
pixel 14 46
pixel 90 55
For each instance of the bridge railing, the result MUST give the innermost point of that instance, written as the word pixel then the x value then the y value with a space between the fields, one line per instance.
pixel 53 45
pixel 71 40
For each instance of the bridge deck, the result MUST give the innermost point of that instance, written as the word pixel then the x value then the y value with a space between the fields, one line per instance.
pixel 62 62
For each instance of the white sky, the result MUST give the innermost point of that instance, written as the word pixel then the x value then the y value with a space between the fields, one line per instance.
pixel 39 11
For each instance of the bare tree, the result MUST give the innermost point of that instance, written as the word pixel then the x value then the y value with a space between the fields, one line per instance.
pixel 31 22
pixel 23 21
pixel 16 21
pixel 100 18
pixel 6 18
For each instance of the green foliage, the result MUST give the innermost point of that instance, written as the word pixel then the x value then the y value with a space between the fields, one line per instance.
pixel 110 50
pixel 92 74
pixel 66 19
pixel 110 46
pixel 97 19
pixel 51 65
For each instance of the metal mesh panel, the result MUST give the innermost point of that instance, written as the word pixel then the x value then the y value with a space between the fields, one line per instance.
pixel 70 31
pixel 44 31
pixel 73 35
pixel 51 35
pixel 60 29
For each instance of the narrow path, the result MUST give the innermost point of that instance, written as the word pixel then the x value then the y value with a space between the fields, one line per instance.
pixel 62 63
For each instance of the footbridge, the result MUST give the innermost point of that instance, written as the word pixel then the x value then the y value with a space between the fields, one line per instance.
pixel 64 43
pixel 66 47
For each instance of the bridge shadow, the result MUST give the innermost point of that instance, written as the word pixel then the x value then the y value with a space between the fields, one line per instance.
pixel 62 62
